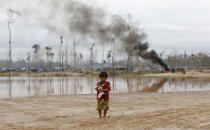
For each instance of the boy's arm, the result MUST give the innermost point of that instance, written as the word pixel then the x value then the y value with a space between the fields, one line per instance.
pixel 108 88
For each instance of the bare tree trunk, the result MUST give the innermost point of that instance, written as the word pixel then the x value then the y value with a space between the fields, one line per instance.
pixel 113 66
pixel 66 55
pixel 62 61
pixel 10 48
pixel 75 55
pixel 113 58
pixel 103 56
pixel 91 62
pixel 51 61
pixel 29 61
pixel 128 63
pixel 36 58
pixel 11 20
pixel 138 64
pixel 137 59
pixel 131 63
pixel 47 61
pixel 61 53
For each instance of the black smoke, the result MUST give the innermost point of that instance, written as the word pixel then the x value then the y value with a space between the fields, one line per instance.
pixel 153 56
pixel 92 21
pixel 86 21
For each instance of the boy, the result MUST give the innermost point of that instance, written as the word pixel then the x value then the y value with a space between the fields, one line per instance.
pixel 103 88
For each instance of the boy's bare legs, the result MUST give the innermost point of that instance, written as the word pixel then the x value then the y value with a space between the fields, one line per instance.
pixel 100 113
pixel 105 111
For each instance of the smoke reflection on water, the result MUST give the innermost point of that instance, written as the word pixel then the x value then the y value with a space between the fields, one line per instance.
pixel 47 86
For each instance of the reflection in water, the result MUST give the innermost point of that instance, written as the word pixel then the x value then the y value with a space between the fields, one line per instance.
pixel 46 86
pixel 113 83
pixel 155 87
pixel 29 85
pixel 67 84
pixel 9 86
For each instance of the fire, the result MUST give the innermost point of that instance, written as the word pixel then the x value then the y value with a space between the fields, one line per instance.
pixel 168 71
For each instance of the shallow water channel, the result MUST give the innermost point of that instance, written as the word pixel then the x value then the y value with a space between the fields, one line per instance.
pixel 48 86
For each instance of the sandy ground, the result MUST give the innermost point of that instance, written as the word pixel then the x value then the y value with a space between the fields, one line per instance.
pixel 185 110
pixel 189 74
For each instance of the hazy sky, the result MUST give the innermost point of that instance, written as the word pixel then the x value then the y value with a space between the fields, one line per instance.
pixel 171 25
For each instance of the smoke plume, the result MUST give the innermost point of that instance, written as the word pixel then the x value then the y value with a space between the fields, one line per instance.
pixel 77 19
pixel 11 11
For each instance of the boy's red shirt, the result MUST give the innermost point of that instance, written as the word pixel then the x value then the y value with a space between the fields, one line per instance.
pixel 106 85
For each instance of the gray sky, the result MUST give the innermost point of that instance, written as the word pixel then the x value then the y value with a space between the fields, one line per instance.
pixel 176 25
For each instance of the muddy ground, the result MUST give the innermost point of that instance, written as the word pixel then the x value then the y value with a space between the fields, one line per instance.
pixel 185 110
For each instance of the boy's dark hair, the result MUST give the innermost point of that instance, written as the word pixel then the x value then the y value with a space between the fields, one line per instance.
pixel 103 75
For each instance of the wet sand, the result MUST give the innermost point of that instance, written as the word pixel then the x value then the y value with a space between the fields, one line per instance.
pixel 183 110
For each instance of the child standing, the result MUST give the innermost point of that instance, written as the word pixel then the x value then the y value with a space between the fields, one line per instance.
pixel 103 88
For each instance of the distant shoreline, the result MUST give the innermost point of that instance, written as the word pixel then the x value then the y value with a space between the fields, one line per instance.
pixel 190 74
